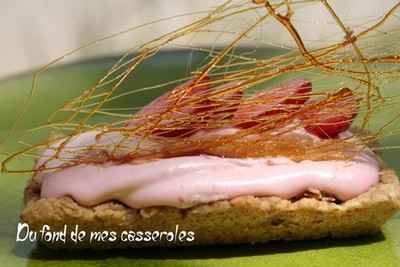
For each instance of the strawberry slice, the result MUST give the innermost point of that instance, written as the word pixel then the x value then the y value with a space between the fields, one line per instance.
pixel 225 105
pixel 166 101
pixel 209 113
pixel 331 116
pixel 286 97
pixel 208 110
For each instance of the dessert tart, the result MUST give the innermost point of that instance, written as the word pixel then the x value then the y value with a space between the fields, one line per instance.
pixel 280 164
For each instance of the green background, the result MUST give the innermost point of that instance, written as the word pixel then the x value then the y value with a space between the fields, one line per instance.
pixel 62 83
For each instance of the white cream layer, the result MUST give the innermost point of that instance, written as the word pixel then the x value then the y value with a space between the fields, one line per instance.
pixel 187 181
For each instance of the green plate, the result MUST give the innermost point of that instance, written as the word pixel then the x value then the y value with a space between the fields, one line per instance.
pixel 64 82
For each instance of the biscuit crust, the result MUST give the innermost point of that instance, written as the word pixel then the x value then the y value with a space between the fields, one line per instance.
pixel 245 219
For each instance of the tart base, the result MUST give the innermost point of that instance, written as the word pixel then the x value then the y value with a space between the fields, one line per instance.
pixel 244 219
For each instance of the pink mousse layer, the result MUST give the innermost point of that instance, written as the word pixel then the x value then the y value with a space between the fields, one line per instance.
pixel 187 181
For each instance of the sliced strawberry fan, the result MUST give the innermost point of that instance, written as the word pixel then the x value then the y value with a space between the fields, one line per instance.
pixel 325 118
